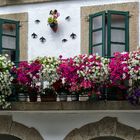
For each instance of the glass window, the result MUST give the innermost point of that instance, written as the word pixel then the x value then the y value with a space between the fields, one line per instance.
pixel 9 37
pixel 109 32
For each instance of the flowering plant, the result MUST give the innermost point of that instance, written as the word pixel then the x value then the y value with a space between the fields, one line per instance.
pixel 83 72
pixel 49 73
pixel 5 80
pixel 52 20
pixel 119 70
pixel 27 75
pixel 134 64
pixel 53 17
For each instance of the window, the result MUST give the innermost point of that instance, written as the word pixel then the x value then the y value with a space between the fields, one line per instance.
pixel 9 39
pixel 108 32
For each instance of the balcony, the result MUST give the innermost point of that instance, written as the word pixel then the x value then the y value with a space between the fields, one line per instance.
pixel 73 106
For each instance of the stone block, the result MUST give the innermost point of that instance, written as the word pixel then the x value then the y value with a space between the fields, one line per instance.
pixel 33 135
pixel 5 124
pixel 74 135
pixel 19 130
pixel 125 132
pixel 107 126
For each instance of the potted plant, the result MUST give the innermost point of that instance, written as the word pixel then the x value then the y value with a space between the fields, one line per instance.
pixel 5 81
pixel 52 20
pixel 28 76
pixel 61 89
pixel 48 94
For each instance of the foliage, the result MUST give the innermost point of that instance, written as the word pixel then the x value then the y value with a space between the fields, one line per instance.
pixel 5 80
pixel 27 76
pixel 53 17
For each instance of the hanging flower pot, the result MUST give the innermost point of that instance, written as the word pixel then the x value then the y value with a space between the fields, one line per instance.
pixel 52 20
pixel 54 26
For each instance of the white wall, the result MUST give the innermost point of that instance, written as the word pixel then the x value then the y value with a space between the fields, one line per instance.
pixel 53 45
pixel 56 125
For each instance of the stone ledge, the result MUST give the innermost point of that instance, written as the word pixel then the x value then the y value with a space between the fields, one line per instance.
pixel 56 106
pixel 18 2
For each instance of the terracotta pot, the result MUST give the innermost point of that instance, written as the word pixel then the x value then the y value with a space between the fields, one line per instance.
pixel 48 98
pixel 33 97
pixel 54 26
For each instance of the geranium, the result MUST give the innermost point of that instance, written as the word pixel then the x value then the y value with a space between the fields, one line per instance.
pixel 5 80
pixel 119 69
pixel 27 75
pixel 83 72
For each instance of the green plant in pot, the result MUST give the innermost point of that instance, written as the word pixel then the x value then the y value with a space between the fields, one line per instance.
pixel 52 20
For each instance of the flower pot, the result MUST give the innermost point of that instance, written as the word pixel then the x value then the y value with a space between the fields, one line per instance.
pixel 54 26
pixel 83 97
pixel 74 97
pixel 48 98
pixel 33 97
pixel 62 97
pixel 22 97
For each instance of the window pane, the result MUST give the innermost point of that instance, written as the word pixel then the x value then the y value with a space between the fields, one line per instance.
pixel 8 42
pixel 117 48
pixel 97 37
pixel 118 20
pixel 97 49
pixel 117 35
pixel 11 53
pixel 97 22
pixel 9 29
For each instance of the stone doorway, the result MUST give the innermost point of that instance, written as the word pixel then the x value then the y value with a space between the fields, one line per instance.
pixel 8 137
pixel 107 128
pixel 9 128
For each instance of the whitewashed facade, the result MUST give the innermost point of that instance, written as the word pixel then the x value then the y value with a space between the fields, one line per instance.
pixel 55 125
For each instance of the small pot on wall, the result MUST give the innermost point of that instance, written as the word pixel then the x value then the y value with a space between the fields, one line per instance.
pixel 54 26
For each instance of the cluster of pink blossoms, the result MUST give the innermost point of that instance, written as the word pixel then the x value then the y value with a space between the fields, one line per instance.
pixel 83 72
pixel 27 74
pixel 125 67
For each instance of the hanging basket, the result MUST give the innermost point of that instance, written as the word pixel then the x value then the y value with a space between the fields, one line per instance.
pixel 54 26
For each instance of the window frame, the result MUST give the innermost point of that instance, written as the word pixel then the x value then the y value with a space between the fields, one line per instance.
pixel 17 49
pixel 106 15
pixel 102 13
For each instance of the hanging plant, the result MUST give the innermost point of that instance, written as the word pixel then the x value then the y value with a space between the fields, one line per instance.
pixel 52 20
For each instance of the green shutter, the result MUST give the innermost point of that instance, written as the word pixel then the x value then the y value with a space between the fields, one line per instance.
pixel 91 31
pixel 16 36
pixel 124 29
